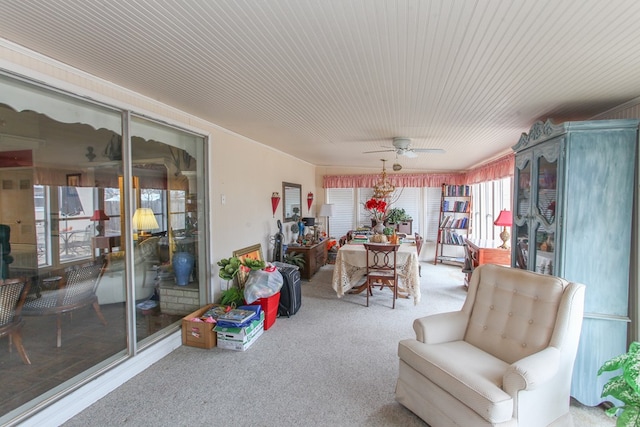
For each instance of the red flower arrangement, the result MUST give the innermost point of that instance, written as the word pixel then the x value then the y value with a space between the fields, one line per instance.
pixel 377 208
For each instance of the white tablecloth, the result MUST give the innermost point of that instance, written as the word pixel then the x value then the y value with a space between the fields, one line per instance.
pixel 351 267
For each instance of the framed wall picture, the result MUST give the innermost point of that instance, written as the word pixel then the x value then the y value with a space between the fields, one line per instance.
pixel 73 180
pixel 254 252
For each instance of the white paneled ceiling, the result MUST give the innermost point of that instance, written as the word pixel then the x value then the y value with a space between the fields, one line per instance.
pixel 326 80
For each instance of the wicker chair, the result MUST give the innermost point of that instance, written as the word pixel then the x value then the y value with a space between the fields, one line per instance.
pixel 76 290
pixel 12 297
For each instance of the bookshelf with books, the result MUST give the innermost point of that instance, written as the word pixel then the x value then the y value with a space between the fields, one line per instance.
pixel 454 223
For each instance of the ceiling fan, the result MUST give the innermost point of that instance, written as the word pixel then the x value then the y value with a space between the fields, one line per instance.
pixel 402 147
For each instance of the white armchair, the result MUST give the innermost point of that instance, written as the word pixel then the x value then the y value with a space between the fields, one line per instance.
pixel 504 359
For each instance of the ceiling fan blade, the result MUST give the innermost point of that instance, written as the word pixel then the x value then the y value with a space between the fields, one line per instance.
pixel 377 151
pixel 428 150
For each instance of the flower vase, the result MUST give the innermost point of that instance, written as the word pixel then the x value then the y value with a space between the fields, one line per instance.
pixel 183 267
pixel 379 227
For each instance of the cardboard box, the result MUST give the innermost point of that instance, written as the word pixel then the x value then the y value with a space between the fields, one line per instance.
pixel 240 339
pixel 198 334
pixel 242 345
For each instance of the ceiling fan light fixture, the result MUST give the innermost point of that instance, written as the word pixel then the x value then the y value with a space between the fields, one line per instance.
pixel 401 143
pixel 397 167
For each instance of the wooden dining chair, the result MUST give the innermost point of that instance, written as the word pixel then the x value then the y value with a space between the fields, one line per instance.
pixel 76 290
pixel 382 263
pixel 12 296
pixel 419 243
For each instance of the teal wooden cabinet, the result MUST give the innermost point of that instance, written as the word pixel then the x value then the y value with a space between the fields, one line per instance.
pixel 573 211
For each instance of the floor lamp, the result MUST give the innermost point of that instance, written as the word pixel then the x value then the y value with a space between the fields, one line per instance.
pixel 328 210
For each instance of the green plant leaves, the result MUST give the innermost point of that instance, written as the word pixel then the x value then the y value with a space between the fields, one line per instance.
pixel 295 258
pixel 232 296
pixel 624 387
pixel 229 267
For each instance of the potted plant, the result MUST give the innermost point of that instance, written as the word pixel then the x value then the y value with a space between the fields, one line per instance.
pixel 377 208
pixel 295 258
pixel 236 270
pixel 624 387
pixel 397 215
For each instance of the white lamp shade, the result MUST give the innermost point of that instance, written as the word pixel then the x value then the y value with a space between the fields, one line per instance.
pixel 328 209
pixel 144 219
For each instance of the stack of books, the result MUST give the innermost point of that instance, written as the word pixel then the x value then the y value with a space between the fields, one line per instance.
pixel 239 317
pixel 360 238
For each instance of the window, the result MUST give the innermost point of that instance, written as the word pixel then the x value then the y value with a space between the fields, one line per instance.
pixel 344 218
pixel 488 199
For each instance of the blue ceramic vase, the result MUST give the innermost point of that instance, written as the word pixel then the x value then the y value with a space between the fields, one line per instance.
pixel 182 267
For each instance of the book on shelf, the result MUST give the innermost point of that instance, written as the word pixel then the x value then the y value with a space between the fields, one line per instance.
pixel 458 190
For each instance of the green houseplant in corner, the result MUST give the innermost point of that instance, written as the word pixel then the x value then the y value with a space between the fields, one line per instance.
pixel 624 387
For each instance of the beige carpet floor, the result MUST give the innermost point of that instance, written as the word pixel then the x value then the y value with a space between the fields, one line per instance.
pixel 333 363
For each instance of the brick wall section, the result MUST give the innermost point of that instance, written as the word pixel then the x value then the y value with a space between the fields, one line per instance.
pixel 180 300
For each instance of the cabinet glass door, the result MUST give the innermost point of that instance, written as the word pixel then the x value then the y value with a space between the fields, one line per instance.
pixel 535 208
pixel 546 197
pixel 522 212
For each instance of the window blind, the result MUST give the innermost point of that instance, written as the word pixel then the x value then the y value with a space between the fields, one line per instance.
pixel 344 218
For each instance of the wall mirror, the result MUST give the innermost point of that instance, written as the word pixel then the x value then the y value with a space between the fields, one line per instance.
pixel 291 202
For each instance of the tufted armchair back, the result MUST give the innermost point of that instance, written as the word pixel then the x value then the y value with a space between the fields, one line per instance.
pixel 511 318
pixel 505 359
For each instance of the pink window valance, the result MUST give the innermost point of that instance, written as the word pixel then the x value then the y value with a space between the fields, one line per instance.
pixel 497 169
pixel 492 171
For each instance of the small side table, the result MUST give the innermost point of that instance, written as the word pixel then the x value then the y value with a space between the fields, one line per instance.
pixel 52 282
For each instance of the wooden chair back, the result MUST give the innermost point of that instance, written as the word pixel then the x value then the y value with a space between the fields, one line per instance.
pixel 419 242
pixel 382 267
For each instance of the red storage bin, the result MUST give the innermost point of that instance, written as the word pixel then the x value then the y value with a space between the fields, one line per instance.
pixel 270 307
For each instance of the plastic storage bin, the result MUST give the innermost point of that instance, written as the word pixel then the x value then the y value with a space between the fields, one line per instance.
pixel 270 308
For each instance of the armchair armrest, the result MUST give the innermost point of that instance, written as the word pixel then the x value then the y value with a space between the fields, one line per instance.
pixel 532 371
pixel 442 327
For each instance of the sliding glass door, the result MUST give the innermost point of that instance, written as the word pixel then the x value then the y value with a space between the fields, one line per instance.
pixel 74 194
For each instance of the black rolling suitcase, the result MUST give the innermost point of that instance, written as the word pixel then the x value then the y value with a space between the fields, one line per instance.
pixel 291 292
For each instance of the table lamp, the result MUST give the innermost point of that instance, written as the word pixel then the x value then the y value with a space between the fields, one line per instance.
pixel 100 216
pixel 328 210
pixel 144 220
pixel 504 220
